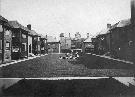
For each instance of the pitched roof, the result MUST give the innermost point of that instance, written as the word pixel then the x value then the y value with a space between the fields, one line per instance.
pixel 16 24
pixel 104 31
pixel 88 40
pixel 32 32
pixel 3 19
pixel 122 23
pixel 51 39
pixel 42 36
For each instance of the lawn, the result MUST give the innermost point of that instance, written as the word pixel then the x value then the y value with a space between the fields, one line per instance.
pixel 51 66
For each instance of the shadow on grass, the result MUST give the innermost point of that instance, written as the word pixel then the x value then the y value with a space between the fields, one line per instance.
pixel 105 87
pixel 95 62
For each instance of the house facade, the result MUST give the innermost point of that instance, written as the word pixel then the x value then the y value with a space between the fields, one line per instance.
pixel 5 40
pixel 36 43
pixel 19 41
pixel 123 41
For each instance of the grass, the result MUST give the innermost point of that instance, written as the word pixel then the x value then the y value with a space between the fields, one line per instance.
pixel 51 66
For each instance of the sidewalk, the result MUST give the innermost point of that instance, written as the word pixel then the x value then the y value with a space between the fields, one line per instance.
pixel 21 60
pixel 107 57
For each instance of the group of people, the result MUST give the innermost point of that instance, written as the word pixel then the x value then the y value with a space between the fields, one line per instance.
pixel 70 56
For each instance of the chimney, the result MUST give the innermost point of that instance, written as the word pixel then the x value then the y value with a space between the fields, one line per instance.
pixel 108 25
pixel 61 34
pixel 69 34
pixel 29 26
pixel 87 35
pixel 133 12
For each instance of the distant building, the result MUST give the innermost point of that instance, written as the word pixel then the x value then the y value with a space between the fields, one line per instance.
pixel 53 45
pixel 88 46
pixel 77 36
pixel 65 43
pixel 77 42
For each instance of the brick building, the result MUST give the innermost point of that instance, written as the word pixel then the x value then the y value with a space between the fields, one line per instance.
pixel 53 45
pixel 36 43
pixel 19 40
pixel 5 40
pixel 65 43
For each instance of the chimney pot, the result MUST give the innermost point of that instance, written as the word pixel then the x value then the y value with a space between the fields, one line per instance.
pixel 108 25
pixel 69 34
pixel 29 26
pixel 87 35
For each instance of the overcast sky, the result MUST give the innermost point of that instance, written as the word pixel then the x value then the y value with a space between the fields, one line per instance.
pixel 53 17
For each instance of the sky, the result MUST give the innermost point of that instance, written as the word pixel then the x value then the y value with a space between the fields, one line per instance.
pixel 53 17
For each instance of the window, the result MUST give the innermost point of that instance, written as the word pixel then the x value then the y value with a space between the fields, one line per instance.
pixel 38 38
pixel 39 47
pixel 13 34
pixel 7 45
pixel 1 29
pixel 23 46
pixel 30 48
pixel 7 32
pixel 23 36
pixel 0 44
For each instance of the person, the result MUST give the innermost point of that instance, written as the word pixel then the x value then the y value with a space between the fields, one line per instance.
pixel 60 57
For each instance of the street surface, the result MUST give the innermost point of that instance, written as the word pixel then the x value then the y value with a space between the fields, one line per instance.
pixel 51 66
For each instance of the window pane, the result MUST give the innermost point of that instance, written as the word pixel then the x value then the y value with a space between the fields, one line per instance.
pixel 7 46
pixel 23 36
pixel 1 29
pixel 23 46
pixel 7 32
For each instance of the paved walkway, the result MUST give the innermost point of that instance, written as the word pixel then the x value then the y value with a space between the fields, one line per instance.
pixel 107 57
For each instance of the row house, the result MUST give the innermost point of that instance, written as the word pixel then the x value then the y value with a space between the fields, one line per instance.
pixel 19 41
pixel 5 40
pixel 122 41
pixel 118 40
pixel 102 41
pixel 36 43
